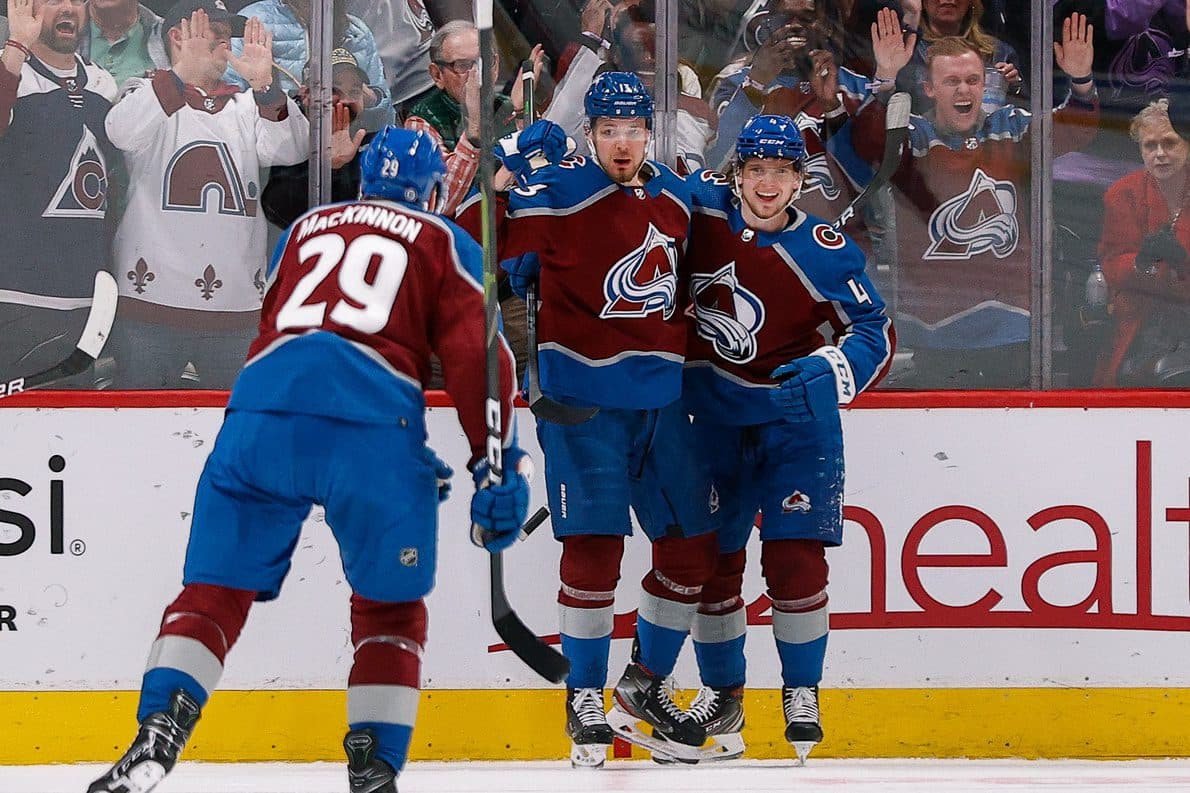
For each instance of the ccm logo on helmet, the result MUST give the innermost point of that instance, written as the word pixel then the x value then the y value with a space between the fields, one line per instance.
pixel 828 238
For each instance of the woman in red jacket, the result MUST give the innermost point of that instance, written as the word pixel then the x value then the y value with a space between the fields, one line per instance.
pixel 1144 253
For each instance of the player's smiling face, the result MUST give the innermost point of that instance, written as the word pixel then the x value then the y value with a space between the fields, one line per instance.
pixel 60 24
pixel 955 83
pixel 767 187
pixel 620 145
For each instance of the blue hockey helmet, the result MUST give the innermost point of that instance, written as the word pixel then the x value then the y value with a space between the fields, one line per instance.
pixel 775 137
pixel 401 165
pixel 619 95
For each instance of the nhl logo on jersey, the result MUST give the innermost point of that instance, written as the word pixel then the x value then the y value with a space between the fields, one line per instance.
pixel 797 501
pixel 981 219
pixel 645 280
pixel 726 314
pixel 408 557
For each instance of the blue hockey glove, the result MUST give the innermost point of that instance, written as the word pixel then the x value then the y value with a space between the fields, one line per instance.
pixel 806 390
pixel 540 144
pixel 499 511
pixel 522 272
pixel 442 472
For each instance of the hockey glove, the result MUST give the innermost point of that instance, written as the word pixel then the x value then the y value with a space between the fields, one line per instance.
pixel 540 144
pixel 442 472
pixel 522 273
pixel 807 390
pixel 498 511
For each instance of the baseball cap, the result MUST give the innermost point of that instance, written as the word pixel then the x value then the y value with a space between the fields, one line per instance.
pixel 216 12
pixel 340 55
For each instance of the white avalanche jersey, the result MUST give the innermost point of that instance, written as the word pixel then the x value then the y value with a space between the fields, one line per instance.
pixel 193 236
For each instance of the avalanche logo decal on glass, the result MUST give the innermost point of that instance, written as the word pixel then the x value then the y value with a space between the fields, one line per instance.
pixel 980 219
pixel 645 280
pixel 819 178
pixel 726 314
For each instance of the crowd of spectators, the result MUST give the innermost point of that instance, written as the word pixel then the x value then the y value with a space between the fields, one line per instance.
pixel 167 143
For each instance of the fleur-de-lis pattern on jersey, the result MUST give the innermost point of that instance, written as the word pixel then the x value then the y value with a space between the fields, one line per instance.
pixel 140 276
pixel 208 283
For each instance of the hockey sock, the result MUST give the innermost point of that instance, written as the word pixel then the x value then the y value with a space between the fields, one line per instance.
pixel 590 569
pixel 669 597
pixel 197 631
pixel 796 573
pixel 384 686
pixel 721 624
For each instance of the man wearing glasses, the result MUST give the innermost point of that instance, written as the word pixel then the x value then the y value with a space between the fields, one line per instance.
pixel 449 113
pixel 55 161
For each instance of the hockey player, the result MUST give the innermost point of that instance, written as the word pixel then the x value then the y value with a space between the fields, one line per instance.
pixel 604 237
pixel 329 410
pixel 764 388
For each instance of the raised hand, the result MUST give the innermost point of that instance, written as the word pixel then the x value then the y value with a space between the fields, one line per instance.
pixel 256 63
pixel 891 48
pixel 24 27
pixel 777 54
pixel 195 41
pixel 344 145
pixel 517 94
pixel 824 78
pixel 1076 54
pixel 595 16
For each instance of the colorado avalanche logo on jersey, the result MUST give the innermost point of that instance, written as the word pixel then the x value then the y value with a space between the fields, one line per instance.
pixel 82 193
pixel 818 177
pixel 981 219
pixel 645 280
pixel 726 314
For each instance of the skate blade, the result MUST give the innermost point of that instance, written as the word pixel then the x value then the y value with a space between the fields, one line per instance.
pixel 803 749
pixel 142 778
pixel 639 733
pixel 727 746
pixel 588 755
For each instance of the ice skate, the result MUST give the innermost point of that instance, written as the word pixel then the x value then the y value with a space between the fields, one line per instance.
pixel 365 772
pixel 586 724
pixel 642 696
pixel 154 752
pixel 802 726
pixel 721 713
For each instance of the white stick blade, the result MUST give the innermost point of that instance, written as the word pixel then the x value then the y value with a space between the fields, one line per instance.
pixel 103 313
pixel 896 115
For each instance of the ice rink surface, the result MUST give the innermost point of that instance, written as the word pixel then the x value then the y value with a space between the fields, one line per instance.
pixel 852 776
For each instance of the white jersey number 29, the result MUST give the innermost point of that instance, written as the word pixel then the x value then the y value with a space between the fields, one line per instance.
pixel 351 261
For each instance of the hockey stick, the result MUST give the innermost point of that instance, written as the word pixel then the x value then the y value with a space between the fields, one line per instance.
pixel 539 656
pixel 90 343
pixel 896 132
pixel 542 406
